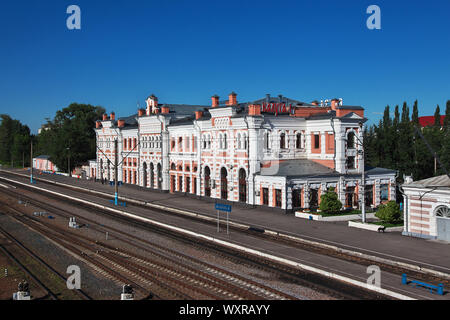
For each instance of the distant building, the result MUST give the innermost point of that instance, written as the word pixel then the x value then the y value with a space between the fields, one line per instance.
pixel 43 127
pixel 43 163
pixel 426 121
pixel 427 208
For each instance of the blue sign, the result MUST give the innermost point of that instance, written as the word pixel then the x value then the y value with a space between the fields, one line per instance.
pixel 223 207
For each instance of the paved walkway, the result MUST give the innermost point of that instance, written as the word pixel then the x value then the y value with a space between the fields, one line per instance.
pixel 425 253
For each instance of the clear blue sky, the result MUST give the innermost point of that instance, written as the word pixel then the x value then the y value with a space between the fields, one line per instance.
pixel 186 51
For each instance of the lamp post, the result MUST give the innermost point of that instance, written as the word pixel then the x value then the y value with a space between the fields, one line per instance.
pixel 362 186
pixel 116 166
pixel 68 161
pixel 31 162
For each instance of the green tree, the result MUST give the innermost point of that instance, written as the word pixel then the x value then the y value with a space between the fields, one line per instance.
pixel 329 202
pixel 404 143
pixel 415 114
pixel 71 134
pixel 389 212
pixel 14 141
pixel 437 117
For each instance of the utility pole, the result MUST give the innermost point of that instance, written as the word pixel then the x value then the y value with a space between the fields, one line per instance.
pixel 363 182
pixel 31 162
pixel 68 161
pixel 116 186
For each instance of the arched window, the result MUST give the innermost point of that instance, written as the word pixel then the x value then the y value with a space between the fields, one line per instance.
pixel 242 186
pixel 225 142
pixel 172 166
pixel 180 143
pixel 159 175
pixel 442 211
pixel 238 141
pixel 267 140
pixel 223 183
pixel 282 140
pixel 125 144
pixel 298 141
pixel 244 141
pixel 207 182
pixel 144 175
pixel 220 141
pixel 152 175
pixel 351 140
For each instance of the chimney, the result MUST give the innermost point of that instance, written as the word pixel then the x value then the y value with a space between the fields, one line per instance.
pixel 105 117
pixel 198 114
pixel 165 110
pixel 334 103
pixel 98 124
pixel 232 99
pixel 112 116
pixel 120 123
pixel 315 103
pixel 152 104
pixel 254 110
pixel 141 112
pixel 215 101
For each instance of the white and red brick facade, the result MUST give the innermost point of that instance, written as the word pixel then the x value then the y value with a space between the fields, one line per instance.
pixel 43 163
pixel 427 208
pixel 274 151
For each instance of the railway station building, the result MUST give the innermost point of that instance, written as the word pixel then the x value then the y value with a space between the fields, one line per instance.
pixel 274 151
pixel 427 208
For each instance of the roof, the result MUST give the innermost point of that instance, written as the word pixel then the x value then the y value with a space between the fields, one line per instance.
pixel 434 182
pixel 429 121
pixel 44 156
pixel 296 168
pixel 378 171
pixel 304 168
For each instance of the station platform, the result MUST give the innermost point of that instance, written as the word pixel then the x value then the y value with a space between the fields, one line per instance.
pixel 430 254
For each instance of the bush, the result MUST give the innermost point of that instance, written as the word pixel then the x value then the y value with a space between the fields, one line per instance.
pixel 389 212
pixel 329 202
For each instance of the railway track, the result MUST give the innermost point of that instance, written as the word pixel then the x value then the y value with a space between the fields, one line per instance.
pixel 291 242
pixel 320 250
pixel 184 280
pixel 35 257
pixel 310 280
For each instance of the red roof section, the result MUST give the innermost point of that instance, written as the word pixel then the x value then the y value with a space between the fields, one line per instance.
pixel 429 121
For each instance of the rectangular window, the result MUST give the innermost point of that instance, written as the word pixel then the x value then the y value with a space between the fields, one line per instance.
pixel 278 198
pixel 265 196
pixel 384 188
pixel 351 163
pixel 188 184
pixel 180 183
pixel 316 141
